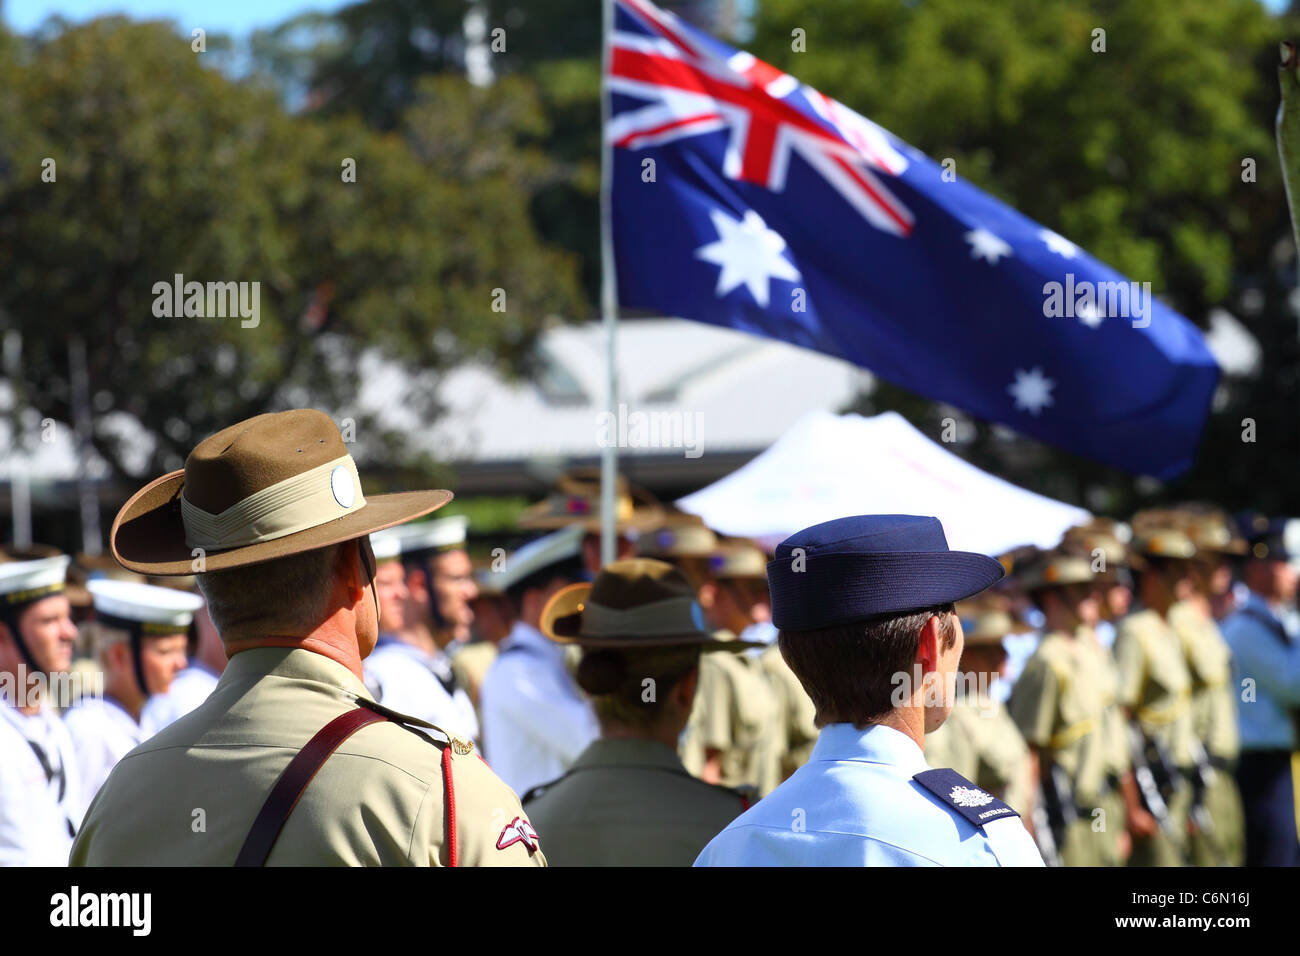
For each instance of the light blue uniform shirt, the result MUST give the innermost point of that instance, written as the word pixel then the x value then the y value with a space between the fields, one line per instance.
pixel 1266 652
pixel 855 804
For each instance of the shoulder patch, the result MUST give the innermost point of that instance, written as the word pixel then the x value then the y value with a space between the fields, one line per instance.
pixel 518 830
pixel 957 793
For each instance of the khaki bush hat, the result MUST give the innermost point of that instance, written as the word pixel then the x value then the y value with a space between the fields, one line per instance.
pixel 738 558
pixel 1055 569
pixel 575 500
pixel 634 603
pixel 987 624
pixel 274 485
pixel 679 536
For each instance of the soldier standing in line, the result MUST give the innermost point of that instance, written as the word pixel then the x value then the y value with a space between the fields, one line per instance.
pixel 41 797
pixel 979 739
pixel 1217 834
pixel 737 733
pixel 1156 692
pixel 290 761
pixel 627 800
pixel 410 670
pixel 1058 705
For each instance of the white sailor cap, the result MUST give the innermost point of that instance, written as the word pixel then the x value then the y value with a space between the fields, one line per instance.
pixel 157 610
pixel 445 534
pixel 538 555
pixel 24 581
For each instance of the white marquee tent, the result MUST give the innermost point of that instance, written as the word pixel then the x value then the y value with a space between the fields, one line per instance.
pixel 830 466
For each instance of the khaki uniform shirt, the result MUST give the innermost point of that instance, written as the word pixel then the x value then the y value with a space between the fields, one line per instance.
pixel 189 795
pixel 982 743
pixel 1155 682
pixel 796 709
pixel 737 713
pixel 1118 759
pixel 1214 713
pixel 629 803
pixel 1057 704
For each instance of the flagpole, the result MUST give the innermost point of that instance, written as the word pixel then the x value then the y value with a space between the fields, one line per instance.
pixel 608 303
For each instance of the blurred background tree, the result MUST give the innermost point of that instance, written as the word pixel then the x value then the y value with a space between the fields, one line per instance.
pixel 166 167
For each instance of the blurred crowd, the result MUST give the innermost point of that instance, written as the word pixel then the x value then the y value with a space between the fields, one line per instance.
pixel 1133 692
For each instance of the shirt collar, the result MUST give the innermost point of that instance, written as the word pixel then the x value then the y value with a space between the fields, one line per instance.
pixel 876 744
pixel 293 663
pixel 625 752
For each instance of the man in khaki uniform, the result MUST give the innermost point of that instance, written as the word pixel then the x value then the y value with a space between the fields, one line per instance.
pixel 270 514
pixel 627 800
pixel 1058 705
pixel 979 739
pixel 1100 544
pixel 737 735
pixel 1156 690
pixel 1218 825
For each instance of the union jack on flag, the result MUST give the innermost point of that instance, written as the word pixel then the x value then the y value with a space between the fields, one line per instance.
pixel 693 86
pixel 744 198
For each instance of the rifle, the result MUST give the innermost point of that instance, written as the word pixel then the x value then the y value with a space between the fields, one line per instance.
pixel 1201 783
pixel 1054 811
pixel 1145 777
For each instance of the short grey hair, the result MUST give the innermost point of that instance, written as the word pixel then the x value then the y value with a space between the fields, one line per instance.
pixel 287 593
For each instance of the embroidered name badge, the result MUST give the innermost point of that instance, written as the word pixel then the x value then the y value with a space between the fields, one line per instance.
pixel 518 830
pixel 977 806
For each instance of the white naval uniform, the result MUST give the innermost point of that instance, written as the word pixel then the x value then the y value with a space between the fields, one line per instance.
pixel 408 680
pixel 535 720
pixel 38 811
pixel 189 688
pixel 102 733
pixel 855 803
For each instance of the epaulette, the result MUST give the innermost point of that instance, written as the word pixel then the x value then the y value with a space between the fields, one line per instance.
pixel 541 788
pixel 978 807
pixel 459 745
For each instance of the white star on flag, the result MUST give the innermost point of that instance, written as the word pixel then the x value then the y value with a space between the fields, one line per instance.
pixel 985 245
pixel 1089 315
pixel 749 254
pixel 1032 390
pixel 1058 244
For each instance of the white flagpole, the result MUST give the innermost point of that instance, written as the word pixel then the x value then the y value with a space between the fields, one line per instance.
pixel 608 304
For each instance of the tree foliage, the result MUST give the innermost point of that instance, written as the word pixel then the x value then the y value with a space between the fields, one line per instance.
pixel 166 167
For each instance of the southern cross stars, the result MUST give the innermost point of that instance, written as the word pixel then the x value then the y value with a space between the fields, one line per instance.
pixel 749 253
pixel 985 245
pixel 1032 390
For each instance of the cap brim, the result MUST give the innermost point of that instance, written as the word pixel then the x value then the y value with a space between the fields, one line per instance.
pixel 148 536
pixel 562 622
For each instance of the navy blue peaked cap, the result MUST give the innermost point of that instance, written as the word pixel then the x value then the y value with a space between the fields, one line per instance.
pixel 853 569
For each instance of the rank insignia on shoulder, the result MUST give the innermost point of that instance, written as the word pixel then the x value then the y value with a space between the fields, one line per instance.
pixel 518 830
pixel 459 745
pixel 979 807
pixel 406 720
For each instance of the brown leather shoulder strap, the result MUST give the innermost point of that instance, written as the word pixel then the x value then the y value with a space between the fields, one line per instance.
pixel 294 780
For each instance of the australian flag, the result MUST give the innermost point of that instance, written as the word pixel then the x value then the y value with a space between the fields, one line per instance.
pixel 743 198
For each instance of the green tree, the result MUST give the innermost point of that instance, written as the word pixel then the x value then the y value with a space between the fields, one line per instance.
pixel 1135 153
pixel 163 166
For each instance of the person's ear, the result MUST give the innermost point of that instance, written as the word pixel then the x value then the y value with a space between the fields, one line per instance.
pixel 353 569
pixel 929 644
pixel 708 595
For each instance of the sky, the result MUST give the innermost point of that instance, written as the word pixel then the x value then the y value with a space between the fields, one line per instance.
pixel 226 16
pixel 215 16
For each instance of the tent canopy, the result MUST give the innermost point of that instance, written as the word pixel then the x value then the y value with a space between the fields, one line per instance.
pixel 830 466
